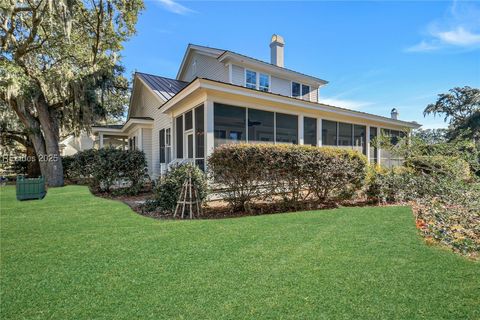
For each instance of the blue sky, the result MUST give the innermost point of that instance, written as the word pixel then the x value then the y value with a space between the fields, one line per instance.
pixel 375 55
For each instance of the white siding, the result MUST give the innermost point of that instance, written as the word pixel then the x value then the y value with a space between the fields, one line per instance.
pixel 161 121
pixel 203 66
pixel 281 86
pixel 147 147
pixel 314 94
pixel 238 75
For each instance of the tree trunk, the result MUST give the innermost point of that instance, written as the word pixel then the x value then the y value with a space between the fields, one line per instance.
pixel 45 140
pixel 49 124
pixel 33 168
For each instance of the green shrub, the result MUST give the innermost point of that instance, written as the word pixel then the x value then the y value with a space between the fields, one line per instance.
pixel 67 163
pixel 169 187
pixel 397 184
pixel 82 166
pixel 104 167
pixel 453 167
pixel 296 173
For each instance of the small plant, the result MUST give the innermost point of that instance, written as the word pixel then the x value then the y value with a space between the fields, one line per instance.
pixel 169 187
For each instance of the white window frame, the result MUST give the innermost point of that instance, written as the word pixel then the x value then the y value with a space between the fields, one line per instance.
pixel 168 145
pixel 309 91
pixel 257 79
pixel 269 81
pixel 291 89
pixel 309 98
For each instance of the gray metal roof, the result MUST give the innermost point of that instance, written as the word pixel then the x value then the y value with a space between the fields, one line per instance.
pixel 166 88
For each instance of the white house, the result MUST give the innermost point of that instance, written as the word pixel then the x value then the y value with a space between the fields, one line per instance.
pixel 220 96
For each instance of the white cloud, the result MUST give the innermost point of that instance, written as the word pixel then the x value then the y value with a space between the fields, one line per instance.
pixel 175 7
pixel 423 46
pixel 344 103
pixel 460 28
pixel 459 37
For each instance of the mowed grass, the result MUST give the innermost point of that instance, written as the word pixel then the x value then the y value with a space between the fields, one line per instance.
pixel 75 256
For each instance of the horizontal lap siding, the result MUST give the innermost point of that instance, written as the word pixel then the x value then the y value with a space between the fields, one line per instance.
pixel 149 107
pixel 205 67
pixel 147 148
pixel 281 86
pixel 238 75
pixel 162 121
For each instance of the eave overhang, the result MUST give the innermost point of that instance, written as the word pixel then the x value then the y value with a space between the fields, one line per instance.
pixel 201 84
pixel 232 57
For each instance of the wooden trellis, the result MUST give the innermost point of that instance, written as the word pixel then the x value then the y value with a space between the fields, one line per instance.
pixel 188 200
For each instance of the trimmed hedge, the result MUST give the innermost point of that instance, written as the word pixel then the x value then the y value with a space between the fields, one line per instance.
pixel 104 167
pixel 293 172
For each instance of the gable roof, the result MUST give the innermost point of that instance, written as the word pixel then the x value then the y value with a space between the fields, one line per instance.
pixel 165 88
pixel 221 54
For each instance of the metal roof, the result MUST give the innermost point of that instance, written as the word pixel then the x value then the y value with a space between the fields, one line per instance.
pixel 166 88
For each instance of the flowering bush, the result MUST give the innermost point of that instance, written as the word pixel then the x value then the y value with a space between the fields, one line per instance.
pixel 293 172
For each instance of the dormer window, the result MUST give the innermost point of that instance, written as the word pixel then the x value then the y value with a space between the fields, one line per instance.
pixel 251 79
pixel 256 80
pixel 300 91
pixel 264 83
pixel 305 92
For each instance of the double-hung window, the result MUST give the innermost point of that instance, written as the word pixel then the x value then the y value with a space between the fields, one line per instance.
pixel 264 82
pixel 300 91
pixel 251 79
pixel 168 145
pixel 257 80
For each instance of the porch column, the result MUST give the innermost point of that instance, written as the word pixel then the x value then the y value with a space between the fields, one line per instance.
pixel 301 139
pixel 319 132
pixel 367 142
pixel 100 141
pixel 208 124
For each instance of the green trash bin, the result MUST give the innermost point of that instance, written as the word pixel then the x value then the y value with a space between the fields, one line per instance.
pixel 31 188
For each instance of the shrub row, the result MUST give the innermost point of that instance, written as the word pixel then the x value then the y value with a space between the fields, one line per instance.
pixel 107 166
pixel 293 172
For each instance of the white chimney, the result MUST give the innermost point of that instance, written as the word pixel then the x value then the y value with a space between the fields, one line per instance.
pixel 394 114
pixel 276 50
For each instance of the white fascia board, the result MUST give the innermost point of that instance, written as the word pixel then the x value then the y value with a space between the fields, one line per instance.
pixel 226 88
pixel 194 85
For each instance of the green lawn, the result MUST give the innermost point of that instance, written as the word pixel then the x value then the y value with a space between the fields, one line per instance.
pixel 75 256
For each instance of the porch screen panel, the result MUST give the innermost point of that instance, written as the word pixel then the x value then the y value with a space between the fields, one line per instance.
pixel 199 132
pixel 179 136
pixel 188 120
pixel 329 133
pixel 359 138
pixel 345 137
pixel 229 124
pixel 261 126
pixel 161 139
pixel 310 131
pixel 287 128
